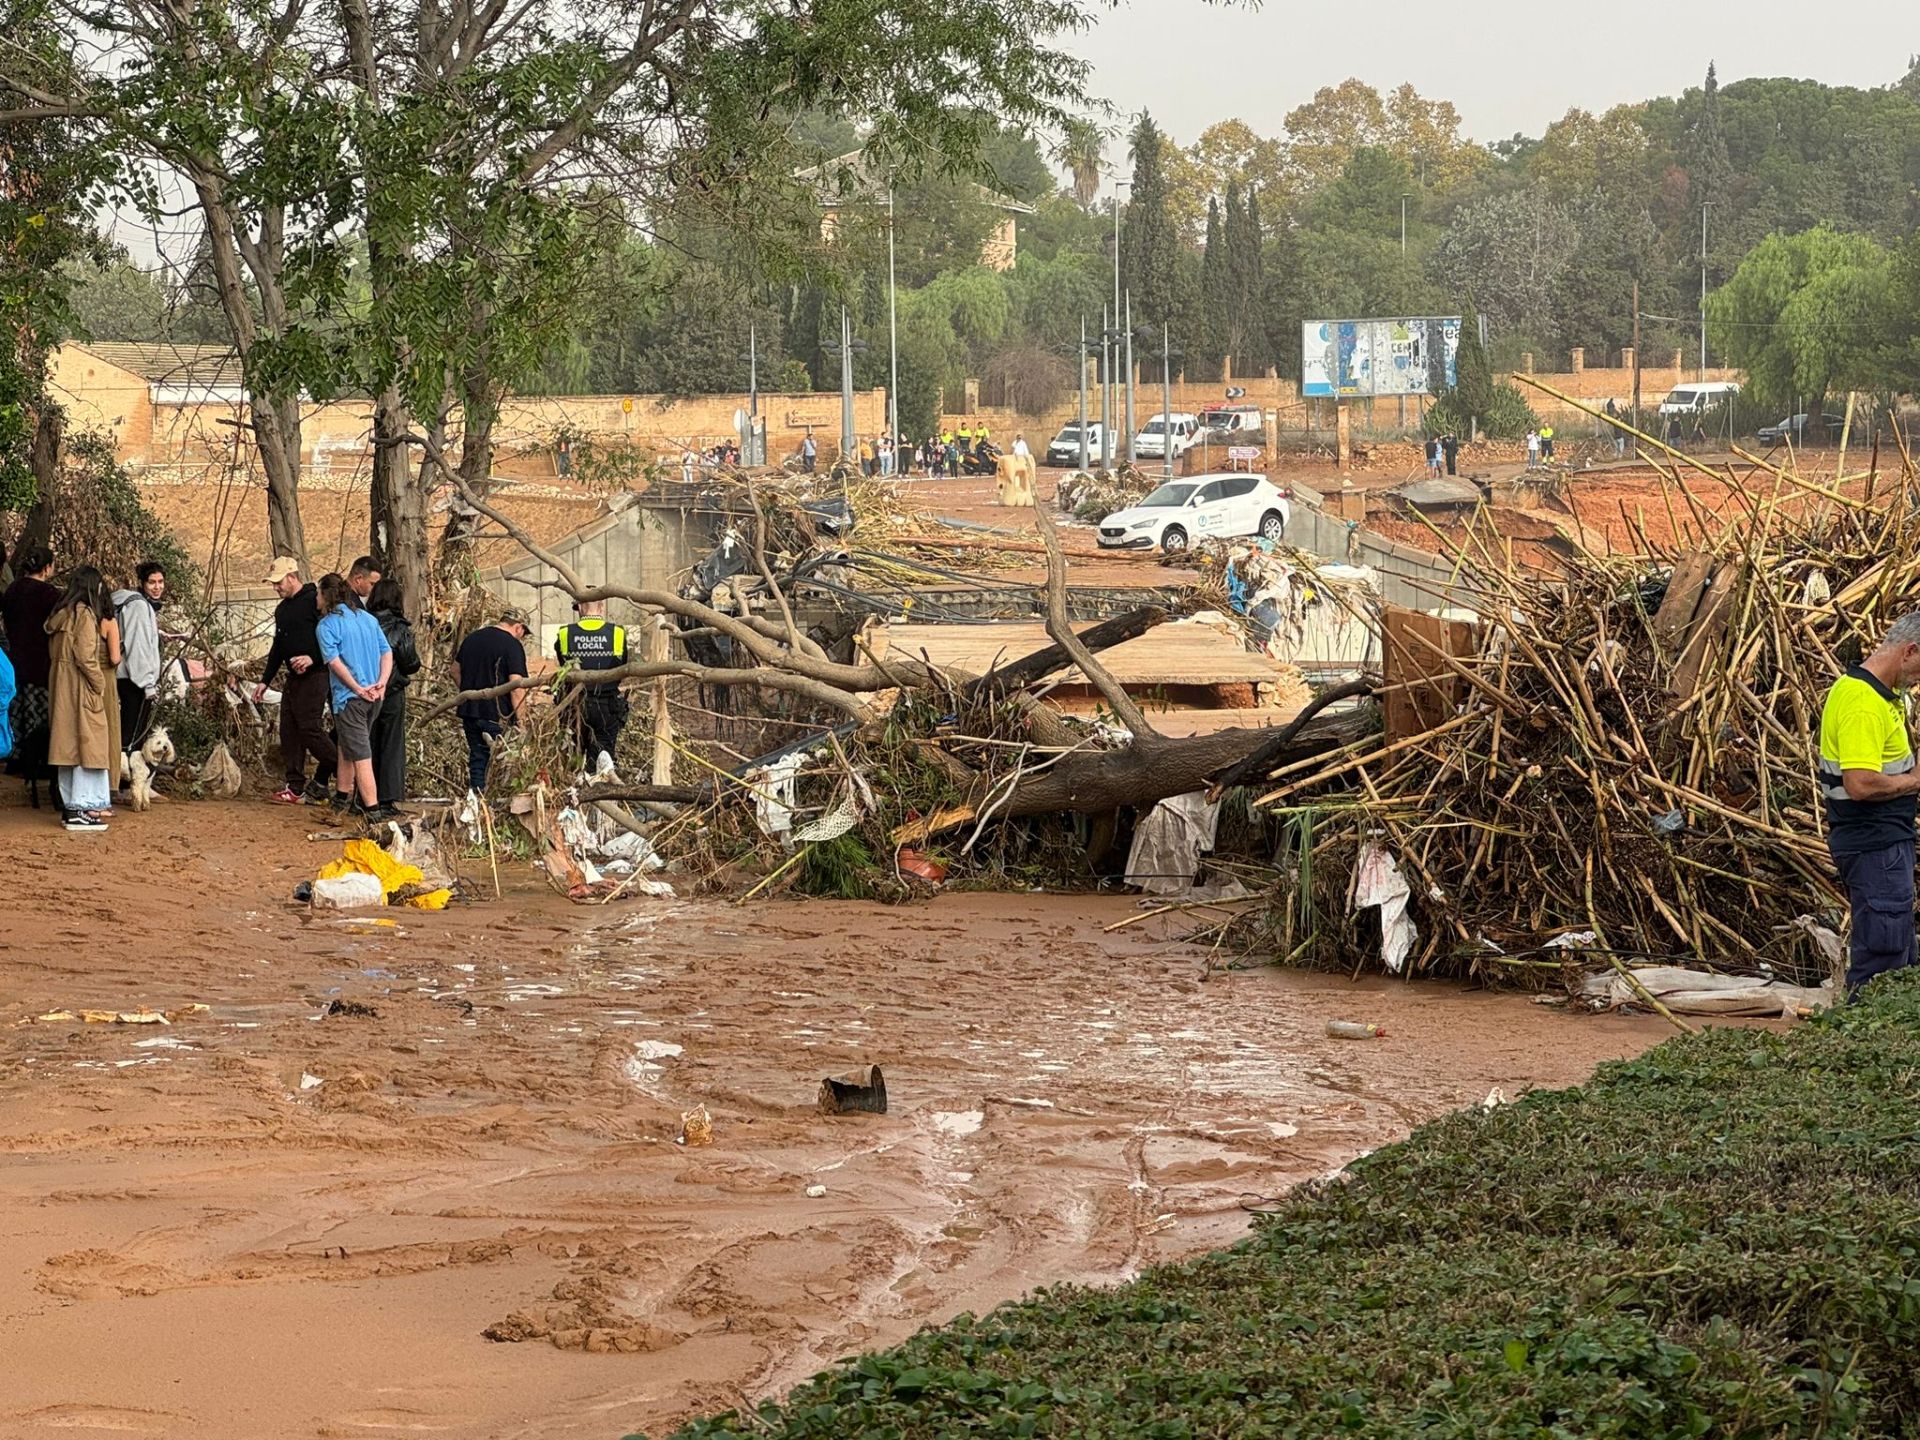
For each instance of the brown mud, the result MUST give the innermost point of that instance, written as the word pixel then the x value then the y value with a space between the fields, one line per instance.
pixel 467 1213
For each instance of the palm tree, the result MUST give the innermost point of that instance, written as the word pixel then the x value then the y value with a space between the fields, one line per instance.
pixel 1080 149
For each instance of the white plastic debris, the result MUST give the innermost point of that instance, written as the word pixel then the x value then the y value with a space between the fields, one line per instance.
pixel 1168 844
pixel 1377 881
pixel 816 1192
pixel 773 799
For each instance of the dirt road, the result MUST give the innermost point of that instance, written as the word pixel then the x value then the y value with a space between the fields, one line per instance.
pixel 258 1221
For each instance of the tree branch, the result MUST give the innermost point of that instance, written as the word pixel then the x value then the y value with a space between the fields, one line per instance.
pixel 1061 629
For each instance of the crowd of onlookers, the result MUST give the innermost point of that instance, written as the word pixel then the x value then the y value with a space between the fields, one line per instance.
pixel 969 448
pixel 80 680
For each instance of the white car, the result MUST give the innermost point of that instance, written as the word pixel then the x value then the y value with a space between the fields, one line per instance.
pixel 1183 511
pixel 1151 442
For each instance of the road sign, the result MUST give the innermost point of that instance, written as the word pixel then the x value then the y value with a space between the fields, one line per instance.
pixel 1243 452
pixel 1235 392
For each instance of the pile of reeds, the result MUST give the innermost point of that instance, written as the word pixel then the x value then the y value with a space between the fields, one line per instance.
pixel 1629 749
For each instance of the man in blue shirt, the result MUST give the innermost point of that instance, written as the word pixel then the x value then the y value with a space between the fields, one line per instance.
pixel 359 661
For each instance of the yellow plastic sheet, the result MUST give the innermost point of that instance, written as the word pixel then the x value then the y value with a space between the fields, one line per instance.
pixel 364 857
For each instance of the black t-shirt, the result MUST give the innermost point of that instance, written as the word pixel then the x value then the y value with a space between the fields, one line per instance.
pixel 489 657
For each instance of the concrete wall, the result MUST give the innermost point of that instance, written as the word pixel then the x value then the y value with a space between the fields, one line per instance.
pixel 1410 577
pixel 1313 420
pixel 643 545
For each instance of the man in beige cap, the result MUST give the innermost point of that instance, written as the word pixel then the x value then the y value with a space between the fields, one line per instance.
pixel 489 657
pixel 303 699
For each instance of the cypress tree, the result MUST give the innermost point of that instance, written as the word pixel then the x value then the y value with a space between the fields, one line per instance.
pixel 1216 292
pixel 1150 249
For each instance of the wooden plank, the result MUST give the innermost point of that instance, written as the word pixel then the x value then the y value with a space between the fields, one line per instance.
pixel 1682 602
pixel 1421 691
pixel 1702 639
pixel 1172 654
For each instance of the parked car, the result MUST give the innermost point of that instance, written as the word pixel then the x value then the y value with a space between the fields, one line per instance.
pixel 1183 511
pixel 1699 397
pixel 1064 448
pixel 1151 442
pixel 1794 427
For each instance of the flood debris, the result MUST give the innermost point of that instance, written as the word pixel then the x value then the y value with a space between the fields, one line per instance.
pixel 864 1093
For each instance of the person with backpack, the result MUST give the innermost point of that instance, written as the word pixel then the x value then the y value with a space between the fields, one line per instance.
pixel 390 725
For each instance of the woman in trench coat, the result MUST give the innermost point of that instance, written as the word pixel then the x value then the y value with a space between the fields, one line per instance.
pixel 84 741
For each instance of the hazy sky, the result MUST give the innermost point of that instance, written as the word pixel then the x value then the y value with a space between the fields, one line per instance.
pixel 1508 66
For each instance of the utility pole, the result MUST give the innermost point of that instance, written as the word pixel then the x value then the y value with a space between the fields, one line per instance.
pixel 846 386
pixel 756 453
pixel 1703 287
pixel 1081 365
pixel 1636 354
pixel 1403 227
pixel 1106 388
pixel 893 346
pixel 1131 457
pixel 1166 400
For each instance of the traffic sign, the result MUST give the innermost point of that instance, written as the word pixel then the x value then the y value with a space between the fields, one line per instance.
pixel 1236 392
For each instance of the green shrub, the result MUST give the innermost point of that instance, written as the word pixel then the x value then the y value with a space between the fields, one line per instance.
pixel 1717 1239
pixel 1508 416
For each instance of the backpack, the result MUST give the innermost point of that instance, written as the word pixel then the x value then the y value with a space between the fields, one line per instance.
pixel 6 705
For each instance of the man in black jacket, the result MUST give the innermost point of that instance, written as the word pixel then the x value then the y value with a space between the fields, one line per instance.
pixel 303 699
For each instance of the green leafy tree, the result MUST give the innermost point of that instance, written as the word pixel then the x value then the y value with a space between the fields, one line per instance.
pixel 1472 372
pixel 53 169
pixel 116 300
pixel 1216 284
pixel 1807 315
pixel 1150 245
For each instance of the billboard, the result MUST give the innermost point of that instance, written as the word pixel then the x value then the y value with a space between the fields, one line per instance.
pixel 1363 358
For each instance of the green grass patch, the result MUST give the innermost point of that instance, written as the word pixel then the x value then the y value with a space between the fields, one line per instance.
pixel 1717 1239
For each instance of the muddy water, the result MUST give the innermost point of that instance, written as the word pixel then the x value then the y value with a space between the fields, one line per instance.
pixel 266 1220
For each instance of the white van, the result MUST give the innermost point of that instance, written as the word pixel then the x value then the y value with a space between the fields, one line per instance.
pixel 1698 398
pixel 1150 443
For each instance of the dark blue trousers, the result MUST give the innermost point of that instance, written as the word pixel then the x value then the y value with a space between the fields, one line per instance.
pixel 481 736
pixel 1880 885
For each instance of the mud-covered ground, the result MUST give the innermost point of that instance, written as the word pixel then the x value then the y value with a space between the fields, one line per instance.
pixel 261 1222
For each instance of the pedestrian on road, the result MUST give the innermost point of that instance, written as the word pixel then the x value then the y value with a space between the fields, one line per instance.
pixel 1450 447
pixel 84 740
pixel 303 699
pixel 138 678
pixel 1433 458
pixel 1533 450
pixel 953 458
pixel 359 662
pixel 595 643
pixel 1868 779
pixel 1546 442
pixel 490 657
pixel 390 725
pixel 809 453
pixel 27 604
pixel 1020 446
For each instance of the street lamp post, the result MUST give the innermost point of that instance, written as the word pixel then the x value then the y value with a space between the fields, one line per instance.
pixel 1703 287
pixel 1106 389
pixel 1167 356
pixel 1082 365
pixel 1131 456
pixel 1109 451
pixel 893 346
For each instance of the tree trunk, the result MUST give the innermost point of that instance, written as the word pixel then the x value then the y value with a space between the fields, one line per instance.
pixel 1155 768
pixel 397 533
pixel 44 459
pixel 276 426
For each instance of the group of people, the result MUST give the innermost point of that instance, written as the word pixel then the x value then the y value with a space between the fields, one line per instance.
pixel 348 651
pixel 947 453
pixel 79 680
pixel 1443 453
pixel 1539 446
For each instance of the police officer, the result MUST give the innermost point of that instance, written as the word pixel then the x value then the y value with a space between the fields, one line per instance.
pixel 595 643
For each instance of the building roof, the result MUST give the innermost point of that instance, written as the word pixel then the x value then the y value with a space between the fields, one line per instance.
pixel 171 365
pixel 863 183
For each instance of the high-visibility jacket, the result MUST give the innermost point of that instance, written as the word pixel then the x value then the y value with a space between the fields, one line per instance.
pixel 594 643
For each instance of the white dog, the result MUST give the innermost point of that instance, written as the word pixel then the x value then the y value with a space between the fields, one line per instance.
pixel 156 751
